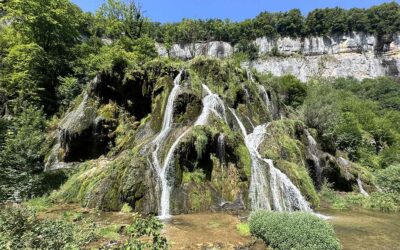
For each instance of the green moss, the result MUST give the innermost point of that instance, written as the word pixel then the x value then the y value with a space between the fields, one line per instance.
pixel 197 177
pixel 244 158
pixel 96 185
pixel 282 142
pixel 243 229
pixel 108 111
pixel 163 88
pixel 200 198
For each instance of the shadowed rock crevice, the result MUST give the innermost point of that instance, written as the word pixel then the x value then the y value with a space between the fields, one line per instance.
pixel 91 143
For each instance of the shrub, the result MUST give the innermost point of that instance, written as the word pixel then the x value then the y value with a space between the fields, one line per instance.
pixel 126 208
pixel 384 202
pixel 145 233
pixel 248 48
pixel 297 230
pixel 21 229
pixel 389 178
pixel 68 89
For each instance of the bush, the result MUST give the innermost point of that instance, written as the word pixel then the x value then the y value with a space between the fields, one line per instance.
pixel 249 48
pixel 383 202
pixel 297 230
pixel 144 229
pixel 21 229
pixel 389 178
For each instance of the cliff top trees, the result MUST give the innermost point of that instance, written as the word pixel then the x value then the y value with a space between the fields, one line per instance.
pixel 380 20
pixel 118 18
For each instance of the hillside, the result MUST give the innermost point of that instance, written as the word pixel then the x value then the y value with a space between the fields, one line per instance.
pixel 111 112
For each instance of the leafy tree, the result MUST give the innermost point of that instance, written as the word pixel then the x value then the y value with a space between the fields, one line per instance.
pixel 51 24
pixel 263 25
pixel 384 18
pixel 357 20
pixel 21 155
pixel 121 18
pixel 290 23
pixel 22 75
pixel 326 21
pixel 44 32
pixel 68 89
pixel 292 90
pixel 248 48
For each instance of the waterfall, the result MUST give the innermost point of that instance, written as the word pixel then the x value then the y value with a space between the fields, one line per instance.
pixel 162 170
pixel 360 186
pixel 280 193
pixel 221 149
pixel 313 151
pixel 211 104
pixel 267 100
pixel 168 113
pixel 165 185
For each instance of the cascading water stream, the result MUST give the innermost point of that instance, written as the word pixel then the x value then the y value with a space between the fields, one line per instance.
pixel 268 102
pixel 280 193
pixel 361 188
pixel 221 149
pixel 313 151
pixel 158 141
pixel 211 104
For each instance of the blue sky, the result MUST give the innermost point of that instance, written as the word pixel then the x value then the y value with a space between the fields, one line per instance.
pixel 175 10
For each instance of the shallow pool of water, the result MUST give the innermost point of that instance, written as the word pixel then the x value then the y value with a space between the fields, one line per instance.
pixel 362 229
pixel 206 231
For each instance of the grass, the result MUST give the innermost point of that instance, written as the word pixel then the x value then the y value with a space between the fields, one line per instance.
pixel 40 203
pixel 126 209
pixel 110 232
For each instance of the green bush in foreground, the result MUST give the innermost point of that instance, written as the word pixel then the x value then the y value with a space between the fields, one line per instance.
pixel 295 231
pixel 21 229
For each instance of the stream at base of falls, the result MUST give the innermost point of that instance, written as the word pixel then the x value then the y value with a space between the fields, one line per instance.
pixel 356 230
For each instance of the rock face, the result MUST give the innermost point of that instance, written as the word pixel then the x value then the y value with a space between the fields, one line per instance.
pixel 205 160
pixel 189 51
pixel 355 55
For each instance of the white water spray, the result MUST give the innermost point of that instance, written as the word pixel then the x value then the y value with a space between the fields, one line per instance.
pixel 268 102
pixel 361 188
pixel 313 151
pixel 162 170
pixel 280 193
pixel 211 104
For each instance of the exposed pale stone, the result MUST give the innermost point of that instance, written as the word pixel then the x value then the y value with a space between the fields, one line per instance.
pixel 353 54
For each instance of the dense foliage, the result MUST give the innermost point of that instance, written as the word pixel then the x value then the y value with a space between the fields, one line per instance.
pixel 50 50
pixel 21 229
pixel 380 20
pixel 297 230
pixel 359 118
pixel 149 228
pixel 376 201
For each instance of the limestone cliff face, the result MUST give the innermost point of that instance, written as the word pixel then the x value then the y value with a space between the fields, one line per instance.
pixel 354 54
